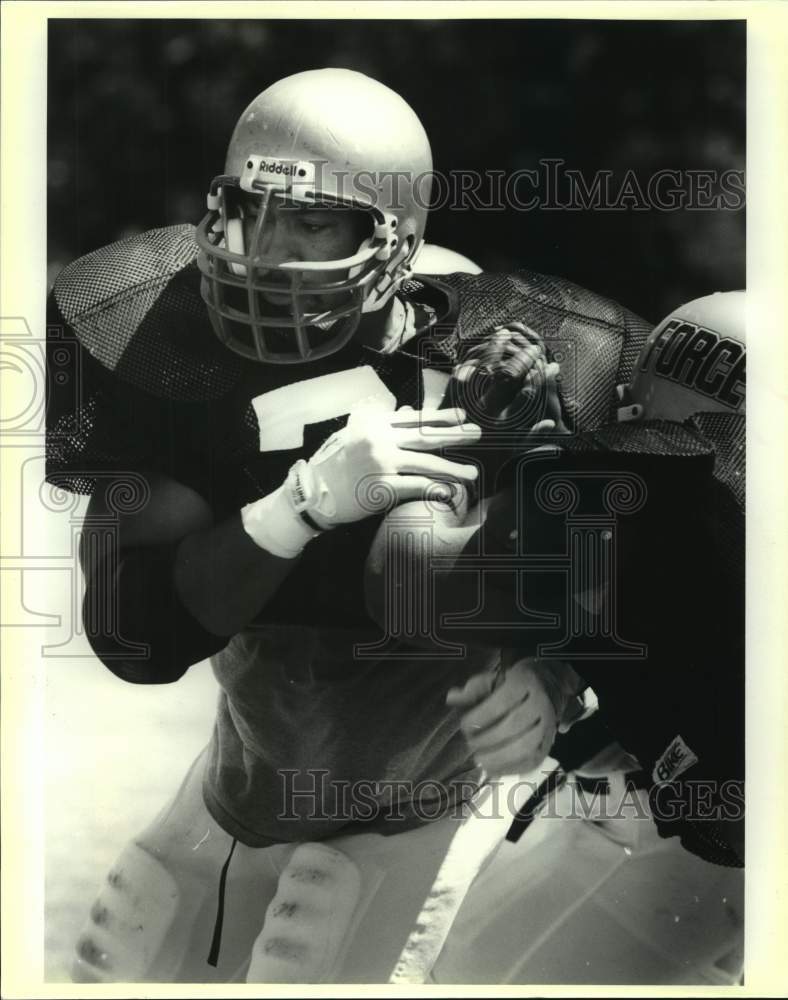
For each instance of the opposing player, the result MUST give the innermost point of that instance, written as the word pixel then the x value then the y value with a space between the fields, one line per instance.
pixel 253 396
pixel 650 610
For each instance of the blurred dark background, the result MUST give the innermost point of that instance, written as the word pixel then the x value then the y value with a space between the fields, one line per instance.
pixel 140 112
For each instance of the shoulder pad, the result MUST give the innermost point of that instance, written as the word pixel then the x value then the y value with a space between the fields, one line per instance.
pixel 434 259
pixel 135 306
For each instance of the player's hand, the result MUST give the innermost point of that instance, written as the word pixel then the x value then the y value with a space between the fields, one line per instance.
pixel 380 459
pixel 509 381
pixel 495 371
pixel 509 350
pixel 545 430
pixel 510 727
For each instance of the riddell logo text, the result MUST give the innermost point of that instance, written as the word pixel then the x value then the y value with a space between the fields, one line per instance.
pixel 274 167
pixel 676 759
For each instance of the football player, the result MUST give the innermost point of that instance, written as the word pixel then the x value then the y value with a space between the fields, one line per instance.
pixel 252 397
pixel 656 625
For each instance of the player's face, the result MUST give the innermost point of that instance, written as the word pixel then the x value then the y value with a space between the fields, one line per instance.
pixel 293 233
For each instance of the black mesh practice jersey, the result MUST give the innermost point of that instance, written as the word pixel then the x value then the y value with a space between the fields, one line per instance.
pixel 653 515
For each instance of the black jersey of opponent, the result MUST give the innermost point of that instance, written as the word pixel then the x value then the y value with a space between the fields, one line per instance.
pixel 649 606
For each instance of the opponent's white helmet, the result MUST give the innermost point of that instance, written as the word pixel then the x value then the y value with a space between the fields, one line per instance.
pixel 329 137
pixel 693 362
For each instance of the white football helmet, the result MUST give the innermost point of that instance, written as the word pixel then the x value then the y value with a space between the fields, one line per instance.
pixel 693 362
pixel 323 138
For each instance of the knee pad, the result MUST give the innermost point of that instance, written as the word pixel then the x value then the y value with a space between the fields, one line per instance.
pixel 307 922
pixel 128 921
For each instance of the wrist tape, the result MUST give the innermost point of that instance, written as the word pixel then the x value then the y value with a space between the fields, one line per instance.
pixel 274 524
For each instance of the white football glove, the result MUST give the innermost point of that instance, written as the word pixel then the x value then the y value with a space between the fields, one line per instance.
pixel 380 459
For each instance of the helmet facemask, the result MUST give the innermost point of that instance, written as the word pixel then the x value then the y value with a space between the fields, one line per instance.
pixel 293 311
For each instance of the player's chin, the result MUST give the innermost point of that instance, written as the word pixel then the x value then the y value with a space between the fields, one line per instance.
pixel 282 304
pixel 321 304
pixel 278 299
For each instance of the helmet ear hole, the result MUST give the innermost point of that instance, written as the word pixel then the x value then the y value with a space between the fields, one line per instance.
pixel 364 225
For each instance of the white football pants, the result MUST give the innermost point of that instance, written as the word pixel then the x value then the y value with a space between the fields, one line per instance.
pixel 575 901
